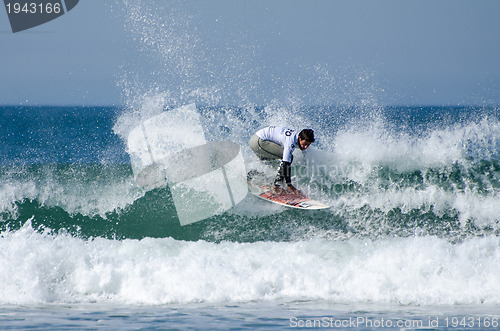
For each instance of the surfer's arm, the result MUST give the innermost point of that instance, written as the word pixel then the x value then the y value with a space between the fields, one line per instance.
pixel 287 174
pixel 284 172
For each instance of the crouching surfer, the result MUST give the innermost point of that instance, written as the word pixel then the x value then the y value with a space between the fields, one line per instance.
pixel 278 143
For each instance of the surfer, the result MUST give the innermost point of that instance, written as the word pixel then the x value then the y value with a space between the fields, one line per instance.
pixel 275 142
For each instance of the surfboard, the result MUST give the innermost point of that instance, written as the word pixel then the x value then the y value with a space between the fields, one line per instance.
pixel 265 192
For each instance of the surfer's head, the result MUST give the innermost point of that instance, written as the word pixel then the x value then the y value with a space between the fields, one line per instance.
pixel 306 138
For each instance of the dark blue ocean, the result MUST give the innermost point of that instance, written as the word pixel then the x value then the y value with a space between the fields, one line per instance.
pixel 412 239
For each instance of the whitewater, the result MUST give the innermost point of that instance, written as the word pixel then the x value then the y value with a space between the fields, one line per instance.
pixel 153 271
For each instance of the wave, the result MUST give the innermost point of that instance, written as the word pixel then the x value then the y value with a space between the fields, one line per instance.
pixel 59 268
pixel 442 179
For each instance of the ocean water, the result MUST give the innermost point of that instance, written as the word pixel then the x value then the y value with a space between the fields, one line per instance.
pixel 411 240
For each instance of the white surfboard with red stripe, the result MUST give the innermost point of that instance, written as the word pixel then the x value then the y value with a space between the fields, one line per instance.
pixel 265 191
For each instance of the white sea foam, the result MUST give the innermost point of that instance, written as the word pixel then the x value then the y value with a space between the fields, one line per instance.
pixel 43 268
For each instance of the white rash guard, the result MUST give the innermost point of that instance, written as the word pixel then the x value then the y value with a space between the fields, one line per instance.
pixel 286 138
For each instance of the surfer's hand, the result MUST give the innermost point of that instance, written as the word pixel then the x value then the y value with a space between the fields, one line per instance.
pixel 295 191
pixel 279 190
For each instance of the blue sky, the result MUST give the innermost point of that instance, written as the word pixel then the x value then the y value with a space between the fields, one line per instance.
pixel 349 52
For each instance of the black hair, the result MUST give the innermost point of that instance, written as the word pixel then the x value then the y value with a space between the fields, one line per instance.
pixel 307 134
